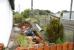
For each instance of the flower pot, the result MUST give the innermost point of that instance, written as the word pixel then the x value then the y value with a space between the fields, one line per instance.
pixel 1 46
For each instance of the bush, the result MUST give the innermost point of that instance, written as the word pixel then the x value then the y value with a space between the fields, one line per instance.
pixel 17 18
pixel 54 30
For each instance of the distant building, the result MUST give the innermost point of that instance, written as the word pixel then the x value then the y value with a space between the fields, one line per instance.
pixel 66 15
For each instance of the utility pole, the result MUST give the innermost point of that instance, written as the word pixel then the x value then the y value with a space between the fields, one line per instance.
pixel 31 7
pixel 31 4
pixel 71 14
pixel 31 12
pixel 19 8
pixel 71 8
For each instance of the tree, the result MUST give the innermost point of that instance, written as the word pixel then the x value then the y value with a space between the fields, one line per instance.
pixel 54 30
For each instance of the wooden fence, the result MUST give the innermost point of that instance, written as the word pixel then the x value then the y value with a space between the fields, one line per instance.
pixel 65 46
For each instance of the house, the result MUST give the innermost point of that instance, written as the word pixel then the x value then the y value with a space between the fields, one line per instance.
pixel 12 4
pixel 6 20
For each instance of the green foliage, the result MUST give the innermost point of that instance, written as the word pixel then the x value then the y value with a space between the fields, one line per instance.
pixel 54 30
pixel 26 13
pixel 44 12
pixel 59 41
pixel 22 40
pixel 17 17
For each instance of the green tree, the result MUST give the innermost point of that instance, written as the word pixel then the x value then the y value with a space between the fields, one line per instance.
pixel 54 30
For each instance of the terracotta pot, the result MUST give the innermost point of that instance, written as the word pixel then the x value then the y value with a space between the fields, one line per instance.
pixel 1 46
pixel 38 40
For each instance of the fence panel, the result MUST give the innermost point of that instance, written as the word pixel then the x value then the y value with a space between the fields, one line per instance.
pixel 46 48
pixel 31 48
pixel 59 47
pixel 70 47
pixel 65 46
pixel 40 48
pixel 53 47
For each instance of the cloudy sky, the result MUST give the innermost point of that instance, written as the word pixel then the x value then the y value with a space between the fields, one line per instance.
pixel 53 5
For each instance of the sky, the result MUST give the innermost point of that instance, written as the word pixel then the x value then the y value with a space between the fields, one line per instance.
pixel 52 5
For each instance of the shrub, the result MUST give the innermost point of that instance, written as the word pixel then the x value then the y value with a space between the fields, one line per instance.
pixel 54 30
pixel 22 40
